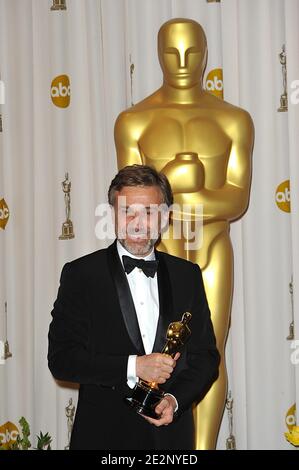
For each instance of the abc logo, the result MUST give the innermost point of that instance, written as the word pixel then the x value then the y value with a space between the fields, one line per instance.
pixel 4 214
pixel 8 434
pixel 214 82
pixel 61 91
pixel 283 196
pixel 291 417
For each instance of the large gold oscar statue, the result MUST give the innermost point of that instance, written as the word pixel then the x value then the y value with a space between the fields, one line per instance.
pixel 204 146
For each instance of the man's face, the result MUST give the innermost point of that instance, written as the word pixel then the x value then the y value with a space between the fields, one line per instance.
pixel 138 218
pixel 182 54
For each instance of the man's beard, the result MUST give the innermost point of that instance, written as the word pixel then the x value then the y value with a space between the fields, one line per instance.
pixel 137 249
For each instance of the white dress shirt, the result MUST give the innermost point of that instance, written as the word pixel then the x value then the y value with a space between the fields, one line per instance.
pixel 145 296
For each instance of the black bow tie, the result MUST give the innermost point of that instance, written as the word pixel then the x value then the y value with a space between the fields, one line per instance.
pixel 148 267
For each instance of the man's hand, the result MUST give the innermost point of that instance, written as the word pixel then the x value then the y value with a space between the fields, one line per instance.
pixel 165 409
pixel 155 367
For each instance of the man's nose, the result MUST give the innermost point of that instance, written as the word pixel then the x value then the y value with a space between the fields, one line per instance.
pixel 139 223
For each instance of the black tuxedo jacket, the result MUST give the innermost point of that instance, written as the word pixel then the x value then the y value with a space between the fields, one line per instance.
pixel 94 330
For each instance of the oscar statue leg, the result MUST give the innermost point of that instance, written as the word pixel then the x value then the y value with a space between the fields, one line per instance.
pixel 217 276
pixel 216 261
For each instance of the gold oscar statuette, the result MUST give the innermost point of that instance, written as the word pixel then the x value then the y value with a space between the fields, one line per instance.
pixel 58 5
pixel 69 413
pixel 230 441
pixel 67 226
pixel 290 336
pixel 147 395
pixel 132 68
pixel 7 353
pixel 284 97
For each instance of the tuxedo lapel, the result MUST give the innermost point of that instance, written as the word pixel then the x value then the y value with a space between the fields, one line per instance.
pixel 125 297
pixel 165 303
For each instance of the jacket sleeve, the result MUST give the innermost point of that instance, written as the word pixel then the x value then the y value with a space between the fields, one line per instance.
pixel 70 355
pixel 202 357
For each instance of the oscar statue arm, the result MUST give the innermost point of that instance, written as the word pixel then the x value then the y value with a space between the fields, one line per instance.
pixel 70 356
pixel 202 358
pixel 126 134
pixel 231 200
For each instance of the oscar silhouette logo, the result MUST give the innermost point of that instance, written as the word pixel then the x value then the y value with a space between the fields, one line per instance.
pixel 147 395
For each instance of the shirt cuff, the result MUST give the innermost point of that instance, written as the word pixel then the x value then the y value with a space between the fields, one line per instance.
pixel 176 402
pixel 131 372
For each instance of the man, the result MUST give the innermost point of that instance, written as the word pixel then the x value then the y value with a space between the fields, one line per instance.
pixel 110 321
